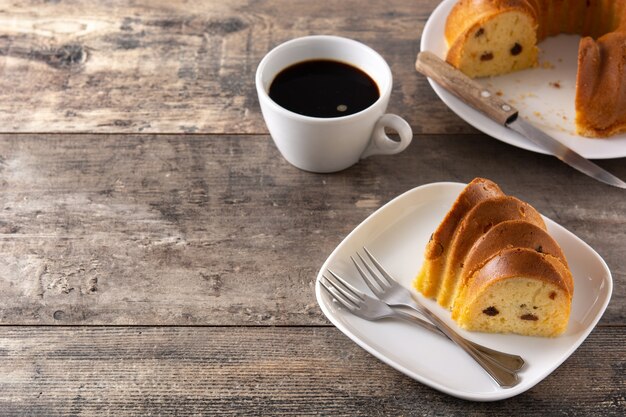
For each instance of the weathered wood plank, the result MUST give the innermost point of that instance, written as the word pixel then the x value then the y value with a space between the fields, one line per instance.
pixel 162 66
pixel 265 371
pixel 221 230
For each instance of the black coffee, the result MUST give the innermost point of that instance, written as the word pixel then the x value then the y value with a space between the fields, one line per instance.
pixel 324 88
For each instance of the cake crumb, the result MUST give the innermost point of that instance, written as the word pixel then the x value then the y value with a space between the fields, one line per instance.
pixel 547 65
pixel 527 95
pixel 499 93
pixel 555 84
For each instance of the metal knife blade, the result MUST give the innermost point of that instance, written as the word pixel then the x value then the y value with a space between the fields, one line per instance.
pixel 565 154
pixel 503 113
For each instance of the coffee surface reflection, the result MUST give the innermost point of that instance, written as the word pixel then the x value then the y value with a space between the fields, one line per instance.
pixel 323 88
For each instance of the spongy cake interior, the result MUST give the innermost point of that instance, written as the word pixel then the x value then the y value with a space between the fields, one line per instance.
pixel 489 49
pixel 518 305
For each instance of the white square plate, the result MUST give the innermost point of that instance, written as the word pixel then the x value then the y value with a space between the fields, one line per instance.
pixel 397 234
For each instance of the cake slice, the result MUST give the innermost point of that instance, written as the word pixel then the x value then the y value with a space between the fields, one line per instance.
pixel 492 260
pixel 478 221
pixel 485 40
pixel 518 291
pixel 506 235
pixel 429 277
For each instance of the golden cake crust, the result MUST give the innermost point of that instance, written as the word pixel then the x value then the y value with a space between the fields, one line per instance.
pixel 601 85
pixel 519 262
pixel 468 13
pixel 477 190
pixel 478 221
pixel 509 234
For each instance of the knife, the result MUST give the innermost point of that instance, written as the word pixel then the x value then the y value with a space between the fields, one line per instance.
pixel 503 113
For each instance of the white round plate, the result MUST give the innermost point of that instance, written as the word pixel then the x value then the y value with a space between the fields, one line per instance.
pixel 544 95
pixel 397 234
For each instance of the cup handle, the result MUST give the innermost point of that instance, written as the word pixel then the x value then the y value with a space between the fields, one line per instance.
pixel 381 144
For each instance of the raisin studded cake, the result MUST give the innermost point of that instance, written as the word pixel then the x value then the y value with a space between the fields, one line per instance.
pixel 492 37
pixel 492 262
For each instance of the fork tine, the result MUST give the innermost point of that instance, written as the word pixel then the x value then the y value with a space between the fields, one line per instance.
pixel 333 285
pixel 348 286
pixel 382 284
pixel 367 279
pixel 379 267
pixel 336 295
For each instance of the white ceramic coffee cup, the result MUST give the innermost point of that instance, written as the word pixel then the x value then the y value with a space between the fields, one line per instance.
pixel 330 144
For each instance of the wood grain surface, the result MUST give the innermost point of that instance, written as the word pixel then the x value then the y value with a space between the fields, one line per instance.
pixel 264 371
pixel 185 67
pixel 221 230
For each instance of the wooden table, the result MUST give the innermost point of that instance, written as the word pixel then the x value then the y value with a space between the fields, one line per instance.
pixel 158 254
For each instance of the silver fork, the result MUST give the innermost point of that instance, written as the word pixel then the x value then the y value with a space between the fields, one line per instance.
pixel 370 308
pixel 498 366
pixel 395 294
pixel 366 307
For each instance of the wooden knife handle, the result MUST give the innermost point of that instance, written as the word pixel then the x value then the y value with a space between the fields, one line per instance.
pixel 465 88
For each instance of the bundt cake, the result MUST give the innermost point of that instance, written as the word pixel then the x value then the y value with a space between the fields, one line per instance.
pixel 492 37
pixel 492 261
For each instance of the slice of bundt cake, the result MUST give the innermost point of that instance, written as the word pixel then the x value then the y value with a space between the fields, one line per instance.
pixel 517 291
pixel 477 222
pixel 511 234
pixel 429 277
pixel 497 266
pixel 490 40
pixel 506 235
